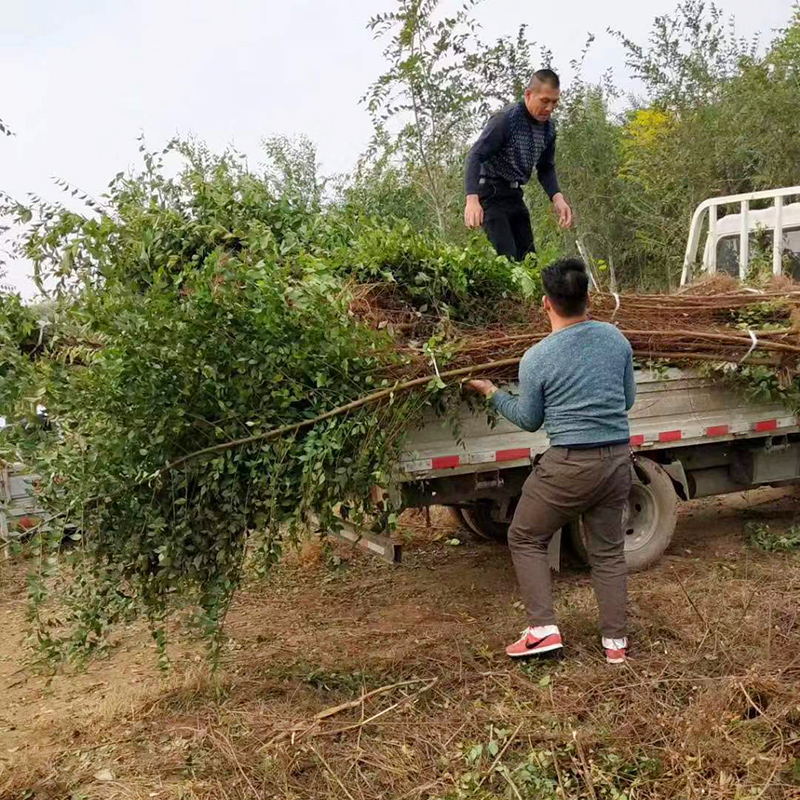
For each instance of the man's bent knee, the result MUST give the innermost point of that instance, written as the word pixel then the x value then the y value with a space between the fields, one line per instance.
pixel 528 536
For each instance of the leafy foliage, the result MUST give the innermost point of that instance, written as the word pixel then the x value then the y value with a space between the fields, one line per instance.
pixel 199 304
pixel 697 133
pixel 762 316
pixel 494 770
pixel 762 537
pixel 436 276
pixel 192 312
pixel 633 168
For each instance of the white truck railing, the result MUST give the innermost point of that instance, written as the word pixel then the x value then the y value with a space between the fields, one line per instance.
pixel 711 206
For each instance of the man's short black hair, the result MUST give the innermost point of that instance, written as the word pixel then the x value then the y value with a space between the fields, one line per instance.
pixel 545 76
pixel 566 283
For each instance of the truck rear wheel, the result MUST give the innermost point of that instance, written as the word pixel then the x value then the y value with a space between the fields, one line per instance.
pixel 485 521
pixel 467 523
pixel 649 519
pixel 457 515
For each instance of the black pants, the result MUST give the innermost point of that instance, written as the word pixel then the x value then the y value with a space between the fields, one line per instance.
pixel 506 220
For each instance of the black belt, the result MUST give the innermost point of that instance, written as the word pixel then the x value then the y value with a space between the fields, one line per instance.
pixel 501 181
pixel 593 445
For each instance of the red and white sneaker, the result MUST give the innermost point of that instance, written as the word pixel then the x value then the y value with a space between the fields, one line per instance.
pixel 615 650
pixel 541 639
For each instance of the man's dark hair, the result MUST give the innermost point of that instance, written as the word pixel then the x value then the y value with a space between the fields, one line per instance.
pixel 545 76
pixel 566 283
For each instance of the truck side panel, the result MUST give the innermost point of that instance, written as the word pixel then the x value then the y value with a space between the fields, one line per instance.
pixel 673 409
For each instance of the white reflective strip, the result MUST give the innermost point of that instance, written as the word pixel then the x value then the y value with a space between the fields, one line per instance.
pixel 694 433
pixel 417 466
pixel 484 457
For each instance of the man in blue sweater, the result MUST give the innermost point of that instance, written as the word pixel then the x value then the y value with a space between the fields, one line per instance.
pixel 515 141
pixel 578 383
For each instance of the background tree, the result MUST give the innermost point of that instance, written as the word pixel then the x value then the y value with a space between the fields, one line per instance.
pixel 698 130
pixel 441 84
pixel 633 168
pixel 293 172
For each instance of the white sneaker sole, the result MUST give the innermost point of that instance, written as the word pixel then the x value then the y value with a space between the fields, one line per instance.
pixel 546 649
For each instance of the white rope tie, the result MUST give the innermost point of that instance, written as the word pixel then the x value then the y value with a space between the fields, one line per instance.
pixel 753 346
pixel 435 365
pixel 616 306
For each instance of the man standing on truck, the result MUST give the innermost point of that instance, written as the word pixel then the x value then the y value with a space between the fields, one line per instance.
pixel 515 140
pixel 578 383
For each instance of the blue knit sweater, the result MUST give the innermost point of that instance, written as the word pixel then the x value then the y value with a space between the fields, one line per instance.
pixel 579 383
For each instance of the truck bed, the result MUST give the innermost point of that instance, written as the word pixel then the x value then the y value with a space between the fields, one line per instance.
pixel 673 408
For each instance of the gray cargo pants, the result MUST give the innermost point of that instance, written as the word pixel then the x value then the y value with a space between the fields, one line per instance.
pixel 564 484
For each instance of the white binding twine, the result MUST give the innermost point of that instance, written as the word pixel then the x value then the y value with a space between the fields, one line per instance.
pixel 753 346
pixel 435 365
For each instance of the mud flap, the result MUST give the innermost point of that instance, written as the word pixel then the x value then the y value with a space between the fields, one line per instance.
pixel 377 544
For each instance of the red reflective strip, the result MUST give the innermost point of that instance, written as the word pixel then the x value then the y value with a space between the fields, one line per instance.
pixel 637 440
pixel 512 455
pixel 445 462
pixel 766 425
pixel 669 436
pixel 718 430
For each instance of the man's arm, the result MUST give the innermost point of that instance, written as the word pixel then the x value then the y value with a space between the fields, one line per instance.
pixel 489 142
pixel 546 172
pixel 546 169
pixel 527 410
pixel 630 382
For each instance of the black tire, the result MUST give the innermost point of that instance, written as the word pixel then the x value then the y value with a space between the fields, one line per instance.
pixel 467 524
pixel 649 521
pixel 482 519
pixel 458 518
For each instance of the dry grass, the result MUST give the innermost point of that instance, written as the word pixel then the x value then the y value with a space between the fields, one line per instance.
pixel 370 682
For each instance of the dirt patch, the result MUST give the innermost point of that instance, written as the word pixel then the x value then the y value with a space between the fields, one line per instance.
pixel 361 680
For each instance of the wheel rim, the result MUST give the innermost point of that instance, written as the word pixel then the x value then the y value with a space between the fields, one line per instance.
pixel 640 517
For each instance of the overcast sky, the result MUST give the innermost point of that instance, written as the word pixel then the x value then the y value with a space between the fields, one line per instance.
pixel 80 79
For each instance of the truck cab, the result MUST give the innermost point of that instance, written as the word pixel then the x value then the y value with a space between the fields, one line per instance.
pixel 744 230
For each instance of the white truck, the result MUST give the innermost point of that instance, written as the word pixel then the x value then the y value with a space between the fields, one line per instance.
pixel 692 435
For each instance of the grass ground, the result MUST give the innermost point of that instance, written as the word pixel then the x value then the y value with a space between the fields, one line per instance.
pixel 365 681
